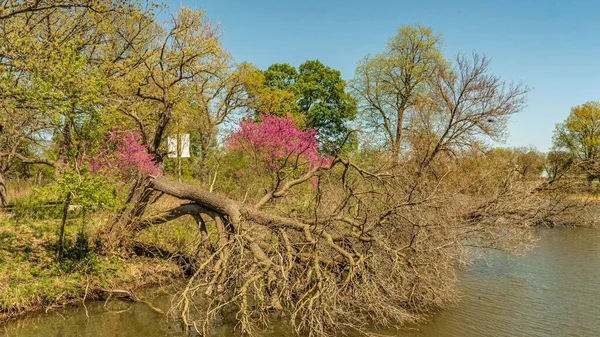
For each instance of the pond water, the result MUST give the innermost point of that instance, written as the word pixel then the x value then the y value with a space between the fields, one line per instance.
pixel 553 290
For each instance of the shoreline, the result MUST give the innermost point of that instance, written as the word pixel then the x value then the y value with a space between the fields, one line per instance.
pixel 31 280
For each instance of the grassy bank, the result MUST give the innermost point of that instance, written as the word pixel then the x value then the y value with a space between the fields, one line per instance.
pixel 31 278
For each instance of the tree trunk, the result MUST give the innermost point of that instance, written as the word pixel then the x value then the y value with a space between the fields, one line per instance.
pixel 119 233
pixel 397 140
pixel 3 191
pixel 61 235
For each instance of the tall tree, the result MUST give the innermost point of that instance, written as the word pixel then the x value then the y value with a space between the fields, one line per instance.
pixel 50 75
pixel 465 103
pixel 323 100
pixel 176 79
pixel 580 132
pixel 314 94
pixel 389 84
pixel 579 135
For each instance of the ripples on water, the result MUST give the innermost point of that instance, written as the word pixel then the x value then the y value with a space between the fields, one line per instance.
pixel 553 290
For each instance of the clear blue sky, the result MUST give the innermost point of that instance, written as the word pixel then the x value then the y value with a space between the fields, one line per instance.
pixel 552 46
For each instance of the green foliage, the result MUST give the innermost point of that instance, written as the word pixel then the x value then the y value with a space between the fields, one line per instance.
pixel 37 206
pixel 281 76
pixel 237 179
pixel 580 132
pixel 325 103
pixel 31 278
pixel 314 94
pixel 92 192
pixel 187 167
pixel 88 193
pixel 576 144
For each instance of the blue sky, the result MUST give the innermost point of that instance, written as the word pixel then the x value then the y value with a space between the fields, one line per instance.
pixel 552 46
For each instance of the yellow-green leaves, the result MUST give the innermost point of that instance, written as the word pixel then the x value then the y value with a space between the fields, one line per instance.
pixel 580 132
pixel 390 83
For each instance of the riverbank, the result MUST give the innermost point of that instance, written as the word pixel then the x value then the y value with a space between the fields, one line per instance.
pixel 32 279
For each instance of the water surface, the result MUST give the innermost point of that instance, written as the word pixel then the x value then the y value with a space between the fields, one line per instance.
pixel 553 290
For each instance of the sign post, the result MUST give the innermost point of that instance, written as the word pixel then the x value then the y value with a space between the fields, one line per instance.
pixel 179 147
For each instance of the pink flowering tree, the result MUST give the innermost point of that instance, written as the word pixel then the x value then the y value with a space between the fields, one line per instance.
pixel 123 153
pixel 275 143
pixel 277 147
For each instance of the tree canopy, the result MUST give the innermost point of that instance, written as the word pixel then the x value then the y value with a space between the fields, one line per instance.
pixel 579 136
pixel 314 93
pixel 390 84
pixel 580 132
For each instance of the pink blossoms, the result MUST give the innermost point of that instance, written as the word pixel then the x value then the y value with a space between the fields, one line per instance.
pixel 123 151
pixel 276 141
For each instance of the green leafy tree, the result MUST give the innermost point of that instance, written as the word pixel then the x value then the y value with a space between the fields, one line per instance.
pixel 51 79
pixel 281 76
pixel 579 135
pixel 90 192
pixel 323 100
pixel 314 94
pixel 388 85
pixel 580 132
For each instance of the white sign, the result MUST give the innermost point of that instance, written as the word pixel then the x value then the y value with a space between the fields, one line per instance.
pixel 185 146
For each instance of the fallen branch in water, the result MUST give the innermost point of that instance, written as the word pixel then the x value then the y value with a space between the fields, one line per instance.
pixel 127 295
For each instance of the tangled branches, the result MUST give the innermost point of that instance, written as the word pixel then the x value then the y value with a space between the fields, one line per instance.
pixel 372 248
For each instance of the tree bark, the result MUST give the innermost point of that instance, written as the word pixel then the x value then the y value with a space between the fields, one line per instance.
pixel 3 191
pixel 61 235
pixel 233 210
pixel 122 229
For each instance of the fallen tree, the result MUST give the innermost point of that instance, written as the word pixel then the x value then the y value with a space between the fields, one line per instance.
pixel 370 250
pixel 355 241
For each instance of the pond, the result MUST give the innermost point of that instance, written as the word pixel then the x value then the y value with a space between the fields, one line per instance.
pixel 553 290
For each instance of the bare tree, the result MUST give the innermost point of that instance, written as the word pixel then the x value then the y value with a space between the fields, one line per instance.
pixel 465 104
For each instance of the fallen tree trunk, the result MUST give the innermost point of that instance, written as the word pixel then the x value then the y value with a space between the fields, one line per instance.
pixel 372 249
pixel 264 262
